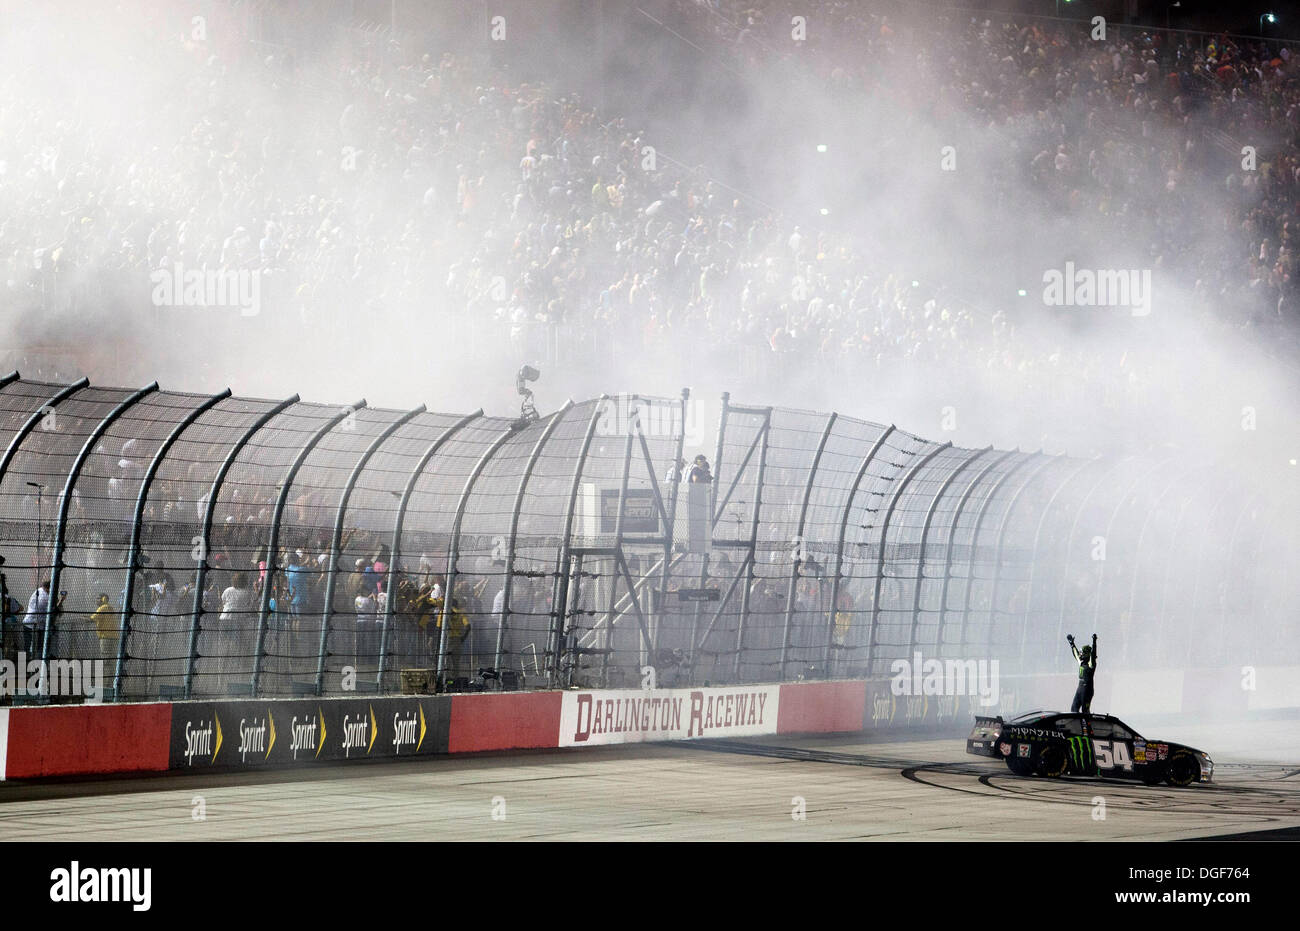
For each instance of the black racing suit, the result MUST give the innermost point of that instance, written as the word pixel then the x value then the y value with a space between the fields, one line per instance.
pixel 1087 669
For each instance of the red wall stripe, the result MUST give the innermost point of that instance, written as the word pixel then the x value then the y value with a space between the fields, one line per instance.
pixel 61 741
pixel 504 722
pixel 821 707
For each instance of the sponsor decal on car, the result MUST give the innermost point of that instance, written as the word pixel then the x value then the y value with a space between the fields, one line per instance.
pixel 1034 733
pixel 1082 756
pixel 1024 749
pixel 1139 751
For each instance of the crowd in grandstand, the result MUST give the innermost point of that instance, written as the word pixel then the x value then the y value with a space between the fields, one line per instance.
pixel 442 182
pixel 232 598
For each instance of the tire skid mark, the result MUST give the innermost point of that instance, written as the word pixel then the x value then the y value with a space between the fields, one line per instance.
pixel 1263 799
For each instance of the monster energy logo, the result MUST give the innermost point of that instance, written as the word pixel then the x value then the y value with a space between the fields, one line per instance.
pixel 1082 756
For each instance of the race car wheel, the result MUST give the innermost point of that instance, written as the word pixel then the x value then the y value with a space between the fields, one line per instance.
pixel 1183 769
pixel 1020 766
pixel 1051 761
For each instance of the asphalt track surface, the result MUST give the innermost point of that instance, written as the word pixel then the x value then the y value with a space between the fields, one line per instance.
pixel 851 788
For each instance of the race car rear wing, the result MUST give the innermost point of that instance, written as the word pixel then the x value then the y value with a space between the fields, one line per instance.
pixel 983 739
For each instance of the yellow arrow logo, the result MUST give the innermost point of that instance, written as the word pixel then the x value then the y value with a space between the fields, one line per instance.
pixel 422 729
pixel 271 745
pixel 217 748
pixel 374 729
pixel 321 745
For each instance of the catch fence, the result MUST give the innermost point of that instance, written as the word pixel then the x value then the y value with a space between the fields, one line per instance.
pixel 216 546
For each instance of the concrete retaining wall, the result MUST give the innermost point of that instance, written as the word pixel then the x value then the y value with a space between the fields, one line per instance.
pixel 74 740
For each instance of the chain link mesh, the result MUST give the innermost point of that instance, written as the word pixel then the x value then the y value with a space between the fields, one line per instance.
pixel 578 549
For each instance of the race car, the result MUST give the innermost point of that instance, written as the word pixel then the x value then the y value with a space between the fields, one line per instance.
pixel 1052 743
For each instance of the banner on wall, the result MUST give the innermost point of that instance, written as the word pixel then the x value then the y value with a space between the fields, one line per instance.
pixel 616 717
pixel 885 709
pixel 287 733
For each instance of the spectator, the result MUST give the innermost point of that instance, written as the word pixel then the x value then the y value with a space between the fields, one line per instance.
pixel 11 611
pixel 106 628
pixel 367 625
pixel 238 601
pixel 34 621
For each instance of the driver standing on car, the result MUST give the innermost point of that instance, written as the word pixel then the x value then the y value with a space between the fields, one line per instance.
pixel 1087 658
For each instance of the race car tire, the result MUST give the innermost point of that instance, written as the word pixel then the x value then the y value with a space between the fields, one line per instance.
pixel 1182 770
pixel 1051 761
pixel 1020 766
pixel 1153 775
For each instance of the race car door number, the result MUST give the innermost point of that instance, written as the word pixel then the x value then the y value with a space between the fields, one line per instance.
pixel 1112 754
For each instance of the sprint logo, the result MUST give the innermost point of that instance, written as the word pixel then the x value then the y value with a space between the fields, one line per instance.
pixel 256 736
pixel 203 739
pixel 359 732
pixel 405 734
pixel 307 735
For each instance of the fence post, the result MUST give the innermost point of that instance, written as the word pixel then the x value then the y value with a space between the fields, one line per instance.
pixel 30 424
pixel 133 551
pixel 717 457
pixel 952 537
pixel 1001 533
pixel 273 545
pixel 618 546
pixel 800 543
pixel 560 606
pixel 396 548
pixel 453 549
pixel 65 503
pixel 336 538
pixel 670 530
pixel 884 534
pixel 23 432
pixel 764 433
pixel 507 585
pixel 920 554
pixel 205 543
pixel 844 527
pixel 706 558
